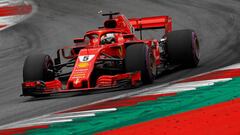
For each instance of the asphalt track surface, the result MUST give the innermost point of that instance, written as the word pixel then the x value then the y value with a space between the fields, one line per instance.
pixel 217 23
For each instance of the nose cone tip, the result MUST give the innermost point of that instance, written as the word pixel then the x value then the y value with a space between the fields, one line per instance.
pixel 77 83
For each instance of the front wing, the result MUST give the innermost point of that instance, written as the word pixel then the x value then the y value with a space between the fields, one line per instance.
pixel 120 81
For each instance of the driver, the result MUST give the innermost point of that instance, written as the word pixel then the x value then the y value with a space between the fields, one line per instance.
pixel 108 38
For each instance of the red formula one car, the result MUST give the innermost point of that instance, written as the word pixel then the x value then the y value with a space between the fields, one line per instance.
pixel 111 56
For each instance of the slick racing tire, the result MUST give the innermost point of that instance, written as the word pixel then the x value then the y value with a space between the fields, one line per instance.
pixel 183 48
pixel 38 67
pixel 138 58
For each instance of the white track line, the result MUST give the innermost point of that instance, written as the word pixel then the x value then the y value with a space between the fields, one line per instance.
pixel 167 91
pixel 234 66
pixel 70 116
pixel 43 123
pixel 10 21
pixel 47 119
pixel 190 84
pixel 93 111
pixel 180 87
pixel 56 117
pixel 4 3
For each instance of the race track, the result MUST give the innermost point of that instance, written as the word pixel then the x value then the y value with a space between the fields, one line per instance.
pixel 217 23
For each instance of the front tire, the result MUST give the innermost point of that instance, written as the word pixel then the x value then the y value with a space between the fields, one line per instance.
pixel 138 58
pixel 38 67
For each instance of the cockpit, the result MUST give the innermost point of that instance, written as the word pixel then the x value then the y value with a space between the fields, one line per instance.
pixel 108 38
pixel 102 38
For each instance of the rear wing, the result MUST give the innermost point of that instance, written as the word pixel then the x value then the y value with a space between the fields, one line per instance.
pixel 155 22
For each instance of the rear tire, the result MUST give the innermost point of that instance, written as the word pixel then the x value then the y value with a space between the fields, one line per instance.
pixel 38 67
pixel 183 48
pixel 138 58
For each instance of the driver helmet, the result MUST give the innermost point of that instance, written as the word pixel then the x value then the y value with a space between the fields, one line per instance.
pixel 108 38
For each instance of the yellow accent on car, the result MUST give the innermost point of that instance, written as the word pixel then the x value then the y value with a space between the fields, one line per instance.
pixel 83 64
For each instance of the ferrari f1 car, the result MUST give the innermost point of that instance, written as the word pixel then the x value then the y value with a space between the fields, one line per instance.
pixel 111 56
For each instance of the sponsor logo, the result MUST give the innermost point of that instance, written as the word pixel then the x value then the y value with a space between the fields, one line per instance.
pixel 81 70
pixel 78 75
pixel 83 65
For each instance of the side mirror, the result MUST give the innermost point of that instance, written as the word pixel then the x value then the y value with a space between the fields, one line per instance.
pixel 68 53
pixel 78 40
pixel 128 36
